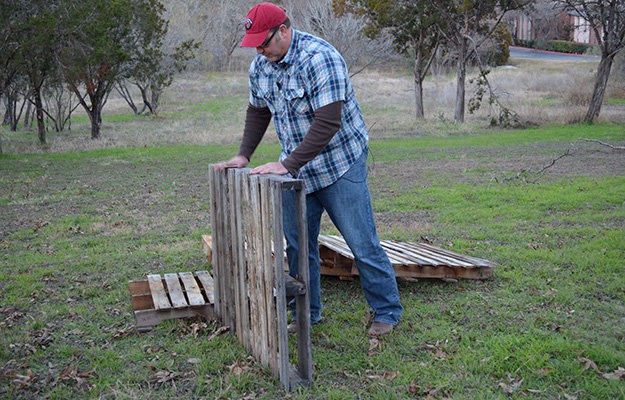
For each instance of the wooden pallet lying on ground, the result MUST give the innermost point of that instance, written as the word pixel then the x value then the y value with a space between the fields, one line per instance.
pixel 177 295
pixel 410 260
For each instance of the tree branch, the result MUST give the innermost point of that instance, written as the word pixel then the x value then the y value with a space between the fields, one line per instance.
pixel 523 173
pixel 602 143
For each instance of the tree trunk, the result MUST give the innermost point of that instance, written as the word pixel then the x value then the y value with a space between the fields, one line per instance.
pixel 601 82
pixel 41 126
pixel 95 116
pixel 9 106
pixel 419 112
pixel 28 115
pixel 460 81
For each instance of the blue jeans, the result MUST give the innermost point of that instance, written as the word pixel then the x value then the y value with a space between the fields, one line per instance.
pixel 348 204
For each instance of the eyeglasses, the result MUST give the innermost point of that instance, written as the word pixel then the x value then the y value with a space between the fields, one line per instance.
pixel 266 42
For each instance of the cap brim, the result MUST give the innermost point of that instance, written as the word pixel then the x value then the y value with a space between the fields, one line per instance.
pixel 254 39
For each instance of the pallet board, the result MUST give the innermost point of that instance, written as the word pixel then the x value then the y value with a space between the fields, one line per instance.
pixel 251 285
pixel 410 260
pixel 175 295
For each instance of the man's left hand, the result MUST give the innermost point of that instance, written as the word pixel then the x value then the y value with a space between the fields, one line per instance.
pixel 270 168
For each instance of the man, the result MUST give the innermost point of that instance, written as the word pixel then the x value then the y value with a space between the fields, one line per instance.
pixel 302 82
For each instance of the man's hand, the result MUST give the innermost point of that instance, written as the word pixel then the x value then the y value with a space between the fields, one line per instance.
pixel 234 162
pixel 270 168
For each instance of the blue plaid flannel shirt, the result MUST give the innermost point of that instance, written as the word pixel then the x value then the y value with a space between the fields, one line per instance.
pixel 312 75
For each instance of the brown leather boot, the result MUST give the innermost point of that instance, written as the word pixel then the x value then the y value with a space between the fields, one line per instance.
pixel 380 328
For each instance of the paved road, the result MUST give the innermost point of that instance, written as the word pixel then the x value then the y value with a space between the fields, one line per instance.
pixel 521 52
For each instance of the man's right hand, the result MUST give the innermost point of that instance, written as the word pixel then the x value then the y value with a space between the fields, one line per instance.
pixel 235 162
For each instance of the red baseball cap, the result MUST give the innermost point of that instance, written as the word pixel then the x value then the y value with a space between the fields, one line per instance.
pixel 260 20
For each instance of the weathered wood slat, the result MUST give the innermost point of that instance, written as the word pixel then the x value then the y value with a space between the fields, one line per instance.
pixel 414 251
pixel 175 291
pixel 159 296
pixel 215 216
pixel 281 286
pixel 140 296
pixel 258 292
pixel 269 277
pixel 191 288
pixel 208 285
pixel 242 289
pixel 207 246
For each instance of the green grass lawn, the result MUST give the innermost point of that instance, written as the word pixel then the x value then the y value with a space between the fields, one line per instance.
pixel 76 227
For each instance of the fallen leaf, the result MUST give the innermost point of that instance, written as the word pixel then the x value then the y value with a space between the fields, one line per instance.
pixel 165 376
pixel 71 373
pixel 24 380
pixel 437 350
pixel 374 346
pixel 238 368
pixel 618 374
pixel 442 355
pixel 219 332
pixel 42 338
pixel 127 331
pixel 589 364
pixel 512 385
pixel 388 375
pixel 194 360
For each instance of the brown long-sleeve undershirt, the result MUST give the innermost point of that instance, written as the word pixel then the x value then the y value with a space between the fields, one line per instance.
pixel 326 123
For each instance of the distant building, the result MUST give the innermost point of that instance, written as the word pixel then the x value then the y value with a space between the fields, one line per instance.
pixel 551 21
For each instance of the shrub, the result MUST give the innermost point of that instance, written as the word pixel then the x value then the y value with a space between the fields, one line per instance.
pixel 564 46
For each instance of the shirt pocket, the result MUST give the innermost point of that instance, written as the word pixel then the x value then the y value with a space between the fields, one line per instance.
pixel 263 96
pixel 296 99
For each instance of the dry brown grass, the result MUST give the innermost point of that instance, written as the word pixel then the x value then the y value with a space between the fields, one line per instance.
pixel 209 108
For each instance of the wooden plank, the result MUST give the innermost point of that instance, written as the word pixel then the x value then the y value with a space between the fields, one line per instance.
pixel 480 262
pixel 208 285
pixel 159 297
pixel 146 319
pixel 227 267
pixel 174 289
pixel 242 290
pixel 214 191
pixel 233 244
pixel 284 366
pixel 191 288
pixel 247 209
pixel 268 272
pixel 207 247
pixel 414 251
pixel 304 346
pixel 140 296
pixel 416 259
pixel 257 264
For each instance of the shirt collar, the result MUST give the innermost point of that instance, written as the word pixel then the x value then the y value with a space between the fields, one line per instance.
pixel 289 58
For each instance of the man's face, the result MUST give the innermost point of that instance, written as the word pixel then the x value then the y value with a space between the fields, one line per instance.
pixel 275 46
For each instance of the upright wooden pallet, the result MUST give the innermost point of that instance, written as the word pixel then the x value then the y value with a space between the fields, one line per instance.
pixel 251 288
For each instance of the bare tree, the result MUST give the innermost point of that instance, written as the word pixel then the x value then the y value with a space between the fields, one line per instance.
pixel 217 25
pixel 607 20
pixel 467 20
pixel 345 31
